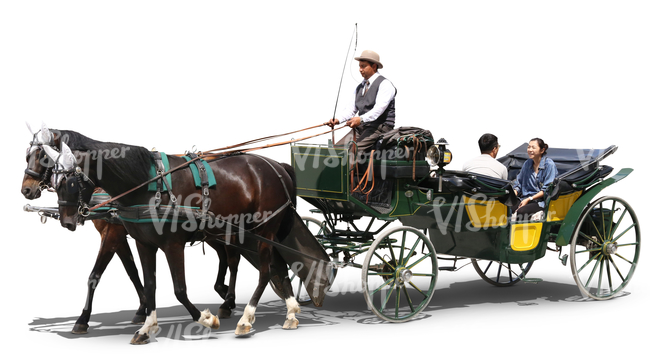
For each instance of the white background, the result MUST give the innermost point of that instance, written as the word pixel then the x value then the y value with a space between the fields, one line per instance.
pixel 174 75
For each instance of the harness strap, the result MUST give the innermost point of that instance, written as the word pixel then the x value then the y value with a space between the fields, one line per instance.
pixel 286 191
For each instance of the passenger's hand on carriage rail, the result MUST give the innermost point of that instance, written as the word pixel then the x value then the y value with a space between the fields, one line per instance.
pixel 332 122
pixel 354 122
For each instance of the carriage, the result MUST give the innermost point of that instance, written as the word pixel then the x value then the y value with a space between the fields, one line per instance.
pixel 445 216
pixel 448 216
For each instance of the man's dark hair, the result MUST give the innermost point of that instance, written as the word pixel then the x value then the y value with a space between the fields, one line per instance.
pixel 487 142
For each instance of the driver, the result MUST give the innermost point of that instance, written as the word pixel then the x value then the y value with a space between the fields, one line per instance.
pixel 373 110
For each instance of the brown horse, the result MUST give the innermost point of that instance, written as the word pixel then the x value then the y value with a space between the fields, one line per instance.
pixel 113 238
pixel 254 194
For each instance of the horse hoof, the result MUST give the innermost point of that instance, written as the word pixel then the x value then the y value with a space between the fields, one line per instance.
pixel 140 339
pixel 139 319
pixel 80 329
pixel 290 324
pixel 224 313
pixel 243 329
pixel 209 320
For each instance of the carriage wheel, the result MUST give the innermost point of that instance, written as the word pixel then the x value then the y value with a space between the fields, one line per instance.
pixel 501 274
pixel 605 248
pixel 399 274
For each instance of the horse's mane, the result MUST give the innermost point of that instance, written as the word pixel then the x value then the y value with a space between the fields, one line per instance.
pixel 131 167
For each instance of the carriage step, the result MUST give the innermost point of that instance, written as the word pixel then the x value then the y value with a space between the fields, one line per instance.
pixel 532 280
pixel 451 269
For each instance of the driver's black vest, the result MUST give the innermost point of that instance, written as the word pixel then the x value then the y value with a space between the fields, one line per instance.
pixel 365 103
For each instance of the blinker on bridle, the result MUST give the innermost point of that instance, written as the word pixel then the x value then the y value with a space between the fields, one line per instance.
pixel 75 181
pixel 43 177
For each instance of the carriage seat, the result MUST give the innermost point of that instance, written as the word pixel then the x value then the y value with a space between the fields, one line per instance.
pixel 472 183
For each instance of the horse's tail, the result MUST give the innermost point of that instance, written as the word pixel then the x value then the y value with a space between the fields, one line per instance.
pixel 287 221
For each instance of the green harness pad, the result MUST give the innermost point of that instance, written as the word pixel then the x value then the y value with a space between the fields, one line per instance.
pixel 195 173
pixel 153 186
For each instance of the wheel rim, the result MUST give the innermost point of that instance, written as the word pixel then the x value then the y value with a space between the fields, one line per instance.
pixel 605 248
pixel 501 274
pixel 399 274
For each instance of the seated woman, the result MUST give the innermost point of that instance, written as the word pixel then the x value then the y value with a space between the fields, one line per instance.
pixel 533 180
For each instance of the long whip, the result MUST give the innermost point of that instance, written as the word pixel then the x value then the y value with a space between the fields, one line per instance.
pixel 355 38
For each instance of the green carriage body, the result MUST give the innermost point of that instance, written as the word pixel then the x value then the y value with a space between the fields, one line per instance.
pixel 466 215
pixel 450 212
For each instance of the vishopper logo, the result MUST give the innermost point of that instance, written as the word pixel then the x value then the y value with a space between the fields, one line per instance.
pixel 99 155
pixel 315 158
pixel 183 216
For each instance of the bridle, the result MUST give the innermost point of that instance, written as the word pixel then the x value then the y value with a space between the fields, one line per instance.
pixel 76 182
pixel 43 177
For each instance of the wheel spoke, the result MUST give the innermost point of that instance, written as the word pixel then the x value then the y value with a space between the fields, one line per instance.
pixel 589 261
pixel 590 238
pixel 618 223
pixel 419 290
pixel 499 272
pixel 390 293
pixel 408 257
pixel 381 273
pixel 600 277
pixel 408 299
pixel 419 260
pixel 611 220
pixel 617 270
pixel 596 228
pixel 628 244
pixel 488 268
pixel 390 281
pixel 618 255
pixel 397 301
pixel 401 252
pixel 609 277
pixel 594 270
pixel 423 275
pixel 590 250
pixel 623 233
pixel 382 259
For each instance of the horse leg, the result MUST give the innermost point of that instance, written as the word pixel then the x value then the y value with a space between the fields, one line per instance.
pixel 220 286
pixel 229 257
pixel 148 259
pixel 176 259
pixel 106 252
pixel 280 268
pixel 124 252
pixel 245 324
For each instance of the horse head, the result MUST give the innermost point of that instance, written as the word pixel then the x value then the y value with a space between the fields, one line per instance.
pixel 74 189
pixel 39 166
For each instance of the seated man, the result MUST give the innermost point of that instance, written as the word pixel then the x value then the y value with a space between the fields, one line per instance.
pixel 486 164
pixel 374 103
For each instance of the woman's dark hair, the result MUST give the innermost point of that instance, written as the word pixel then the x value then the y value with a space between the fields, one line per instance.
pixel 541 145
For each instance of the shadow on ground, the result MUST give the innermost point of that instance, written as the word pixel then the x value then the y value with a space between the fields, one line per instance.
pixel 176 324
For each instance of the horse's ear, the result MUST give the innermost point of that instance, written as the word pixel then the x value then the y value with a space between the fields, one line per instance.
pixel 29 127
pixel 68 159
pixel 51 153
pixel 46 136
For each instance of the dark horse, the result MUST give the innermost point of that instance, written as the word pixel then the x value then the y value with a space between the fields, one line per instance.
pixel 113 235
pixel 253 194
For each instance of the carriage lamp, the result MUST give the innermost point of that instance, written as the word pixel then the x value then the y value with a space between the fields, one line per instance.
pixel 438 154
